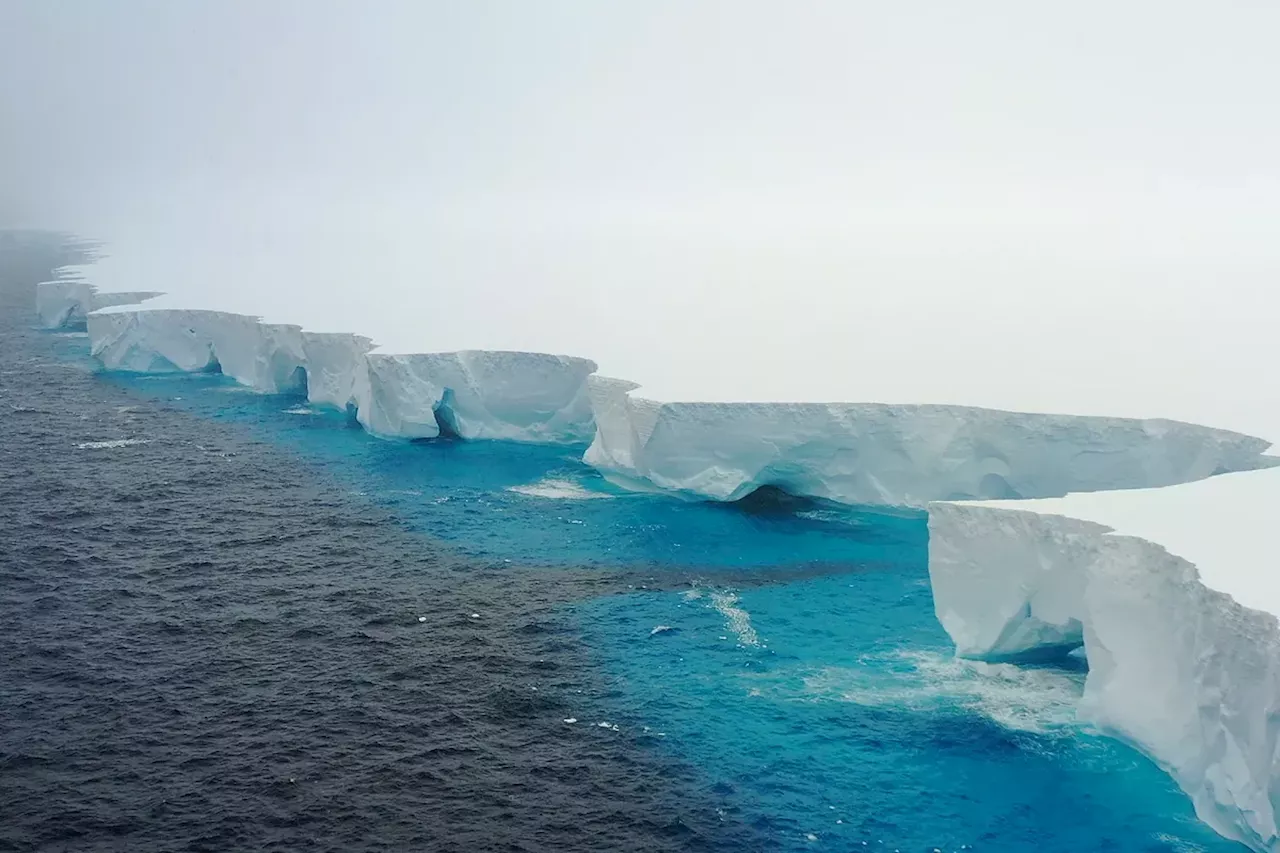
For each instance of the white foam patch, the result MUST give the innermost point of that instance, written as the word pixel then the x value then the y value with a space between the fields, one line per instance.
pixel 1039 700
pixel 1178 845
pixel 557 488
pixel 114 443
pixel 736 619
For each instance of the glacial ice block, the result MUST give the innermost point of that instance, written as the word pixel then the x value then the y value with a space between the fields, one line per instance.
pixel 265 356
pixel 65 303
pixel 519 396
pixel 1172 597
pixel 334 362
pixel 904 455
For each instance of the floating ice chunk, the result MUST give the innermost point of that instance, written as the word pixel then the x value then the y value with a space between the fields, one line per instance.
pixel 558 489
pixel 571 720
pixel 111 444
pixel 661 629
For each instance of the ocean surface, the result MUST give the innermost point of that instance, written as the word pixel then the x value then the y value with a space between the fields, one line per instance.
pixel 231 621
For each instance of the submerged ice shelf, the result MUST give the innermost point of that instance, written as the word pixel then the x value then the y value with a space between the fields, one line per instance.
pixel 1169 593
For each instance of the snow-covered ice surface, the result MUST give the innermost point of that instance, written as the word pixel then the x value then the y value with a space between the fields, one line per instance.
pixel 1172 595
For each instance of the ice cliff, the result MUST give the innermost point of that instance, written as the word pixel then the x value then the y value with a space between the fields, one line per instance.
pixel 531 397
pixel 65 303
pixel 477 394
pixel 855 453
pixel 903 455
pixel 1183 671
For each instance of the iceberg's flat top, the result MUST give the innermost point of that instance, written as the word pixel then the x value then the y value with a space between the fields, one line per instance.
pixel 1224 525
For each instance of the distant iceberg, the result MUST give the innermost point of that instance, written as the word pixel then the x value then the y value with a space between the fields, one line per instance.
pixel 65 302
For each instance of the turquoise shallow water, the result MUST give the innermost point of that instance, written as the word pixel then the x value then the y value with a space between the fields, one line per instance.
pixel 786 650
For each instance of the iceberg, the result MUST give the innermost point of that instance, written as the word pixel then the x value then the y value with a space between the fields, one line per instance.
pixel 65 303
pixel 1169 596
pixel 518 396
pixel 267 357
pixel 901 455
pixel 479 394
pixel 1054 555
pixel 334 361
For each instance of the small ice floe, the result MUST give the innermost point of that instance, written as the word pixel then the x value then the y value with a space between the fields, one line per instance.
pixel 613 727
pixel 662 629
pixel 110 445
pixel 556 488
pixel 571 720
pixel 811 837
pixel 475 615
pixel 299 410
pixel 422 619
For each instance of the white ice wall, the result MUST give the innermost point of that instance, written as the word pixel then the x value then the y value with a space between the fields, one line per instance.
pixel 65 302
pixel 477 394
pixel 904 455
pixel 517 396
pixel 1185 672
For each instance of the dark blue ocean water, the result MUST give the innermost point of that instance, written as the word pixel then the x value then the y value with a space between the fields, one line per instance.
pixel 230 621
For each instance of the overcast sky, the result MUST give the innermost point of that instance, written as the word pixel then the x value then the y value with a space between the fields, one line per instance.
pixel 1045 206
